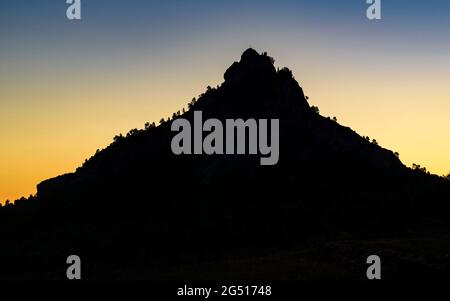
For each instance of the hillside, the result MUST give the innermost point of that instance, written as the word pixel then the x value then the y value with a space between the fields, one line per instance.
pixel 135 204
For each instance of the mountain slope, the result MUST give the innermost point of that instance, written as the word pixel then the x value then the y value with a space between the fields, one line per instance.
pixel 136 201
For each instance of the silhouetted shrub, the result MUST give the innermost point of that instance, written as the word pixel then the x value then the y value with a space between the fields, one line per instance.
pixel 419 168
pixel 285 73
pixel 118 138
pixel 315 109
pixel 132 132
pixel 191 104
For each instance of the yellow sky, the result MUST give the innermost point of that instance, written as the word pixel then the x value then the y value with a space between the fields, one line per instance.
pixel 54 121
pixel 67 88
pixel 51 125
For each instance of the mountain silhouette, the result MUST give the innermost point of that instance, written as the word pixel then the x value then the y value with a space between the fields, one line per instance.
pixel 137 211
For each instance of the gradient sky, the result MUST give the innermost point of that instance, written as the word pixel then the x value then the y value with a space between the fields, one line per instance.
pixel 67 87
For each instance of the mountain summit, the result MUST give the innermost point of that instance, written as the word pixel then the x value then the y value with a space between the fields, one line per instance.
pixel 136 202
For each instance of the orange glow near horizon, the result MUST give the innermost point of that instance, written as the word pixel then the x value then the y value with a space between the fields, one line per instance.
pixel 67 88
pixel 56 125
